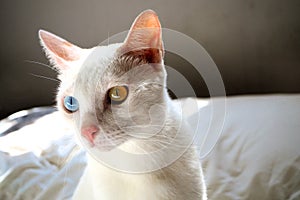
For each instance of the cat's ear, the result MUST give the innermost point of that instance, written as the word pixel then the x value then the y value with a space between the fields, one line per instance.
pixel 144 38
pixel 59 51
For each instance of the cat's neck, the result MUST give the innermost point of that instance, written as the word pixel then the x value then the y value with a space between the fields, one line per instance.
pixel 101 182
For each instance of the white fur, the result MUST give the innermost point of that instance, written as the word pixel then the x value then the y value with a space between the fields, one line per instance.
pixel 147 106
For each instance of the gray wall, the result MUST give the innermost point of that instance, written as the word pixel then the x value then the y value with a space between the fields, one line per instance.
pixel 255 43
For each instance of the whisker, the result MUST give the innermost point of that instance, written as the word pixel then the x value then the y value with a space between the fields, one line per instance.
pixel 165 143
pixel 43 64
pixel 45 77
pixel 139 135
pixel 120 134
pixel 160 127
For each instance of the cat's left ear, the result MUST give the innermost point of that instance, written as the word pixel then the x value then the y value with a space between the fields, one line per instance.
pixel 59 51
pixel 144 38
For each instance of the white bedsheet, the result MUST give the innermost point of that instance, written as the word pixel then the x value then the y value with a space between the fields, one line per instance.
pixel 257 156
pixel 40 161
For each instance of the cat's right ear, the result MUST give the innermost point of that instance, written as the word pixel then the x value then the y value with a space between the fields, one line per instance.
pixel 59 51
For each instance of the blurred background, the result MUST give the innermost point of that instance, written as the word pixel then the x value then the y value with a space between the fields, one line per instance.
pixel 254 43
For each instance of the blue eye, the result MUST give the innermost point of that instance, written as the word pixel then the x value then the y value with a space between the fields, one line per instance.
pixel 71 104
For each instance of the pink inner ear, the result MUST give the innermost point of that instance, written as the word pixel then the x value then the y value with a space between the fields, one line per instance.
pixel 147 19
pixel 144 33
pixel 59 47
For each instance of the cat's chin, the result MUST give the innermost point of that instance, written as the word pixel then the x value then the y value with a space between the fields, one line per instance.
pixel 102 147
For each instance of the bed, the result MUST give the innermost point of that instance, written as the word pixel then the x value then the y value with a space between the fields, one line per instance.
pixel 257 155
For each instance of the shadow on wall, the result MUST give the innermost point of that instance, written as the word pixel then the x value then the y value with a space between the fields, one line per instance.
pixel 255 44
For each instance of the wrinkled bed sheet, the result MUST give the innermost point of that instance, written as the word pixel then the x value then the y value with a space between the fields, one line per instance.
pixel 256 157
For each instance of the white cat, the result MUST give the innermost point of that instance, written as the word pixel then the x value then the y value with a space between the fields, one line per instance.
pixel 116 97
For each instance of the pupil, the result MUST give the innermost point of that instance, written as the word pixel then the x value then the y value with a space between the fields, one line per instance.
pixel 117 92
pixel 71 101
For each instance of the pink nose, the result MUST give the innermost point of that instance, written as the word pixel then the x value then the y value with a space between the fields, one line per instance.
pixel 89 132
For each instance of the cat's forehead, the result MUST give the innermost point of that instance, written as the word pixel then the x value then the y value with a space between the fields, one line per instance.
pixel 97 61
pixel 100 55
pixel 103 62
pixel 98 67
pixel 104 68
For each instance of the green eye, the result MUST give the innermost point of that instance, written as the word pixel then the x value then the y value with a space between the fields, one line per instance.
pixel 118 94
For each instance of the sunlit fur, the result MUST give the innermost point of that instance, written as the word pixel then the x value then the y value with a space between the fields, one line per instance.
pixel 129 126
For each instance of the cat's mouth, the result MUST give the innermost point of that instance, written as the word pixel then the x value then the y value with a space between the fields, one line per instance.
pixel 93 137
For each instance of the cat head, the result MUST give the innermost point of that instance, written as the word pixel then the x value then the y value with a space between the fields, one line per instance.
pixel 112 93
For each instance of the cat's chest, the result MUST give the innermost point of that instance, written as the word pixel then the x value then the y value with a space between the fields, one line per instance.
pixel 130 187
pixel 112 185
